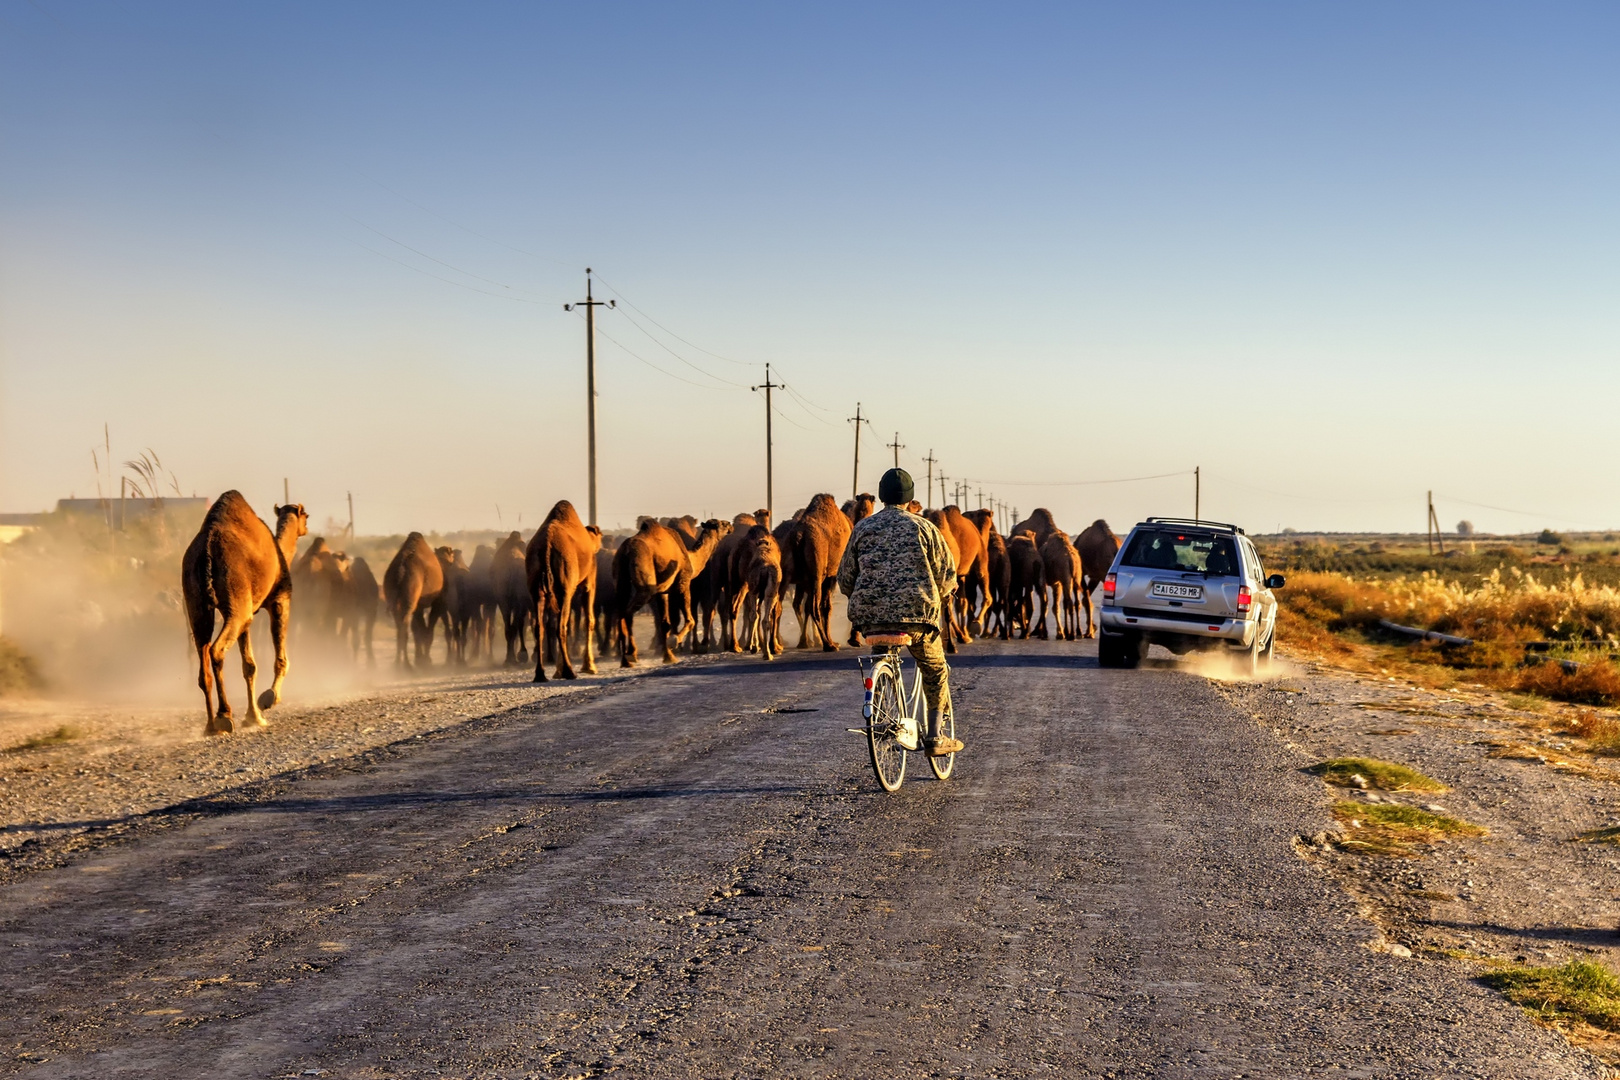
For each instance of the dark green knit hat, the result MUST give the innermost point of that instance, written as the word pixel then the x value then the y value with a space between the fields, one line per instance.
pixel 896 488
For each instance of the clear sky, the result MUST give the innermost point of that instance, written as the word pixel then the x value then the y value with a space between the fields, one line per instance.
pixel 1336 255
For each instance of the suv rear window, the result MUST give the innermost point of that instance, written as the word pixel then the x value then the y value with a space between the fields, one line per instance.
pixel 1189 552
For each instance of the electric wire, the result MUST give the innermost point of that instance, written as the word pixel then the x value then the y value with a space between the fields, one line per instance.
pixel 1075 483
pixel 671 333
pixel 430 258
pixel 649 363
pixel 450 221
pixel 676 355
pixel 437 277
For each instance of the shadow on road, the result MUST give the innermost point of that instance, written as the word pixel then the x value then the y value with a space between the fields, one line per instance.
pixel 215 807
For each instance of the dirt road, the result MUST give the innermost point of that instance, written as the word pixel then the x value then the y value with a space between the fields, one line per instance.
pixel 690 873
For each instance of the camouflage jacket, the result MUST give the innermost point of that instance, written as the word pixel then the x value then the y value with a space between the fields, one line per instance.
pixel 895 571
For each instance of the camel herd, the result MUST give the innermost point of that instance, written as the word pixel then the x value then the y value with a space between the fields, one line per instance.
pixel 570 588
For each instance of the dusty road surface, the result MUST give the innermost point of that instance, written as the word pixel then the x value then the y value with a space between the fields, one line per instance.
pixel 690 873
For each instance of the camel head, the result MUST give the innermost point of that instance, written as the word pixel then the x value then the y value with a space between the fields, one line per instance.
pixel 762 517
pixel 914 507
pixel 293 518
pixel 715 525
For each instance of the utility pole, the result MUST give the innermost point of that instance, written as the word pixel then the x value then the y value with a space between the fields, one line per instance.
pixel 1198 492
pixel 944 500
pixel 928 489
pixel 590 305
pixel 897 446
pixel 1433 525
pixel 981 498
pixel 351 515
pixel 857 420
pixel 768 386
pixel 286 498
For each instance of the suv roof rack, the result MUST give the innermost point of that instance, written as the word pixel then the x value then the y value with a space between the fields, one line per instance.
pixel 1199 522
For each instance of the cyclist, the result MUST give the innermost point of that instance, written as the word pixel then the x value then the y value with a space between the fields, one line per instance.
pixel 897 572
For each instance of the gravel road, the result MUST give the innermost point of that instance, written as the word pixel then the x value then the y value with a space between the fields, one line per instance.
pixel 690 873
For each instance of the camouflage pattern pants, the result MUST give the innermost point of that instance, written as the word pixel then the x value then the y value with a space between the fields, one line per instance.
pixel 928 649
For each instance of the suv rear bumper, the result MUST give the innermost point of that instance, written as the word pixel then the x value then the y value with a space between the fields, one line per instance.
pixel 1119 620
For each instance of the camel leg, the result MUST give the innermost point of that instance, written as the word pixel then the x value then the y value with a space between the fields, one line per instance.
pixel 279 610
pixel 1085 602
pixel 661 628
pixel 250 671
pixel 629 656
pixel 230 631
pixel 559 634
pixel 589 666
pixel 541 616
pixel 205 681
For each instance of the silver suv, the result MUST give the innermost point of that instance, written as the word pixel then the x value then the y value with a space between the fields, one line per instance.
pixel 1187 585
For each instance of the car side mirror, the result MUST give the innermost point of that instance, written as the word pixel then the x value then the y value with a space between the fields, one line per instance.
pixel 1276 581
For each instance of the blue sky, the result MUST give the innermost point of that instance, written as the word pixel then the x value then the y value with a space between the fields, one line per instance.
pixel 1335 255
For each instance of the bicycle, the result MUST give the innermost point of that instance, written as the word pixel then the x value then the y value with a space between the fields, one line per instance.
pixel 894 713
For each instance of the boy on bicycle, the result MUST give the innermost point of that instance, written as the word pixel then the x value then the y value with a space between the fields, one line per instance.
pixel 897 573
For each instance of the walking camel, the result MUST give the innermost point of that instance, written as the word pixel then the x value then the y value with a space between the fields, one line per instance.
pixel 237 566
pixel 561 563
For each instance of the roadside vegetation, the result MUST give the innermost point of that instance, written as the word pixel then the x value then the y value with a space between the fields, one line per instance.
pixel 1543 618
pixel 1394 829
pixel 1360 772
pixel 1574 997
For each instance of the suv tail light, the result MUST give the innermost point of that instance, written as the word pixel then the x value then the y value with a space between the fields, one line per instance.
pixel 1109 585
pixel 1245 598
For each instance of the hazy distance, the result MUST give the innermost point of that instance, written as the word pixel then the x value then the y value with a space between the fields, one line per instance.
pixel 1336 257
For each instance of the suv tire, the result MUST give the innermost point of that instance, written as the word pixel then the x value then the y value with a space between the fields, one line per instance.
pixel 1118 650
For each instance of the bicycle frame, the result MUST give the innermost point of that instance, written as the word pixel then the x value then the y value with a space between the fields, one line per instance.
pixel 911 697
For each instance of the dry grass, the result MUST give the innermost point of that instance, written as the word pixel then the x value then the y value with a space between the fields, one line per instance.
pixel 1392 829
pixel 1335 617
pixel 1383 775
pixel 1610 835
pixel 1601 732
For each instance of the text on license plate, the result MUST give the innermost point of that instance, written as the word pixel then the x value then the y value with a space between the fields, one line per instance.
pixel 1179 592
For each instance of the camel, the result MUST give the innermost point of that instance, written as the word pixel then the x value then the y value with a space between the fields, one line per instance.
pixel 477 603
pixel 783 535
pixel 817 544
pixel 725 591
pixel 1097 545
pixel 413 585
pixel 237 566
pixel 359 617
pixel 510 581
pixel 1039 523
pixel 950 629
pixel 654 566
pixel 1026 580
pixel 452 608
pixel 860 507
pixel 607 596
pixel 560 563
pixel 319 583
pixel 997 572
pixel 762 570
pixel 1061 566
pixel 972 570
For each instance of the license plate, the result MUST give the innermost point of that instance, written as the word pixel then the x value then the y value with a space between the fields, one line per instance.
pixel 1178 592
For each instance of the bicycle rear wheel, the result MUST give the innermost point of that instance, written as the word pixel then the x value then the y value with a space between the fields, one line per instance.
pixel 883 727
pixel 942 766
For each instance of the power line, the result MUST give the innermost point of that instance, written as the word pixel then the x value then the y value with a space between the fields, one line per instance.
pixel 677 355
pixel 430 258
pixel 436 277
pixel 450 221
pixel 1079 483
pixel 637 356
pixel 673 334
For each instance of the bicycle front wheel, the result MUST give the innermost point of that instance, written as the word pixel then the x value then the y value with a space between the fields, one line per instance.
pixel 942 766
pixel 883 729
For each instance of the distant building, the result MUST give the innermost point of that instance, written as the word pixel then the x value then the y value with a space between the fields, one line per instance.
pixel 115 512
